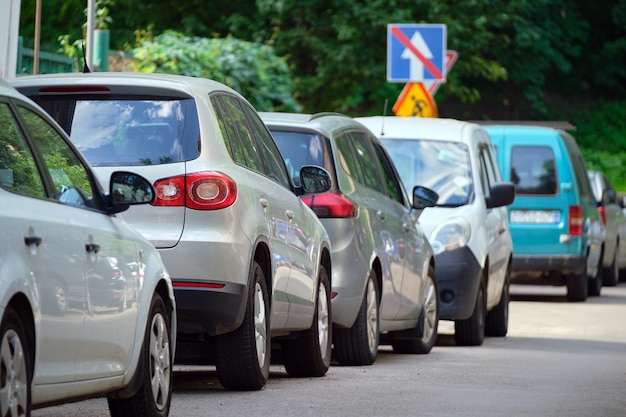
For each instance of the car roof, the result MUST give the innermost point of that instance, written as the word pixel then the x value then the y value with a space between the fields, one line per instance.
pixel 325 123
pixel 127 83
pixel 417 127
pixel 519 129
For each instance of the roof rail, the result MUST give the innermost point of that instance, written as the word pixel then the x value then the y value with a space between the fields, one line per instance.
pixel 563 125
pixel 326 113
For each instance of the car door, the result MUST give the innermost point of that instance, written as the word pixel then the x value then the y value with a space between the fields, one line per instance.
pixel 386 219
pixel 408 244
pixel 98 250
pixel 268 201
pixel 496 224
pixel 52 250
pixel 299 229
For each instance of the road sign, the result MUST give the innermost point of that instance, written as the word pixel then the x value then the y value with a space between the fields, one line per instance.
pixel 433 86
pixel 416 52
pixel 415 101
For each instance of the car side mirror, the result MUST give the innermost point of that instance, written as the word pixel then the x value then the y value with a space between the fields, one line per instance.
pixel 424 197
pixel 314 179
pixel 501 194
pixel 128 189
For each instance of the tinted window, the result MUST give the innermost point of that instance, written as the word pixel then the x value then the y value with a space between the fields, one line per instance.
pixel 533 170
pixel 368 160
pixel 18 171
pixel 394 190
pixel 272 158
pixel 347 158
pixel 120 131
pixel 70 179
pixel 300 149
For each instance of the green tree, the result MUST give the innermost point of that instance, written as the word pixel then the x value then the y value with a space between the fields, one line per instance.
pixel 251 69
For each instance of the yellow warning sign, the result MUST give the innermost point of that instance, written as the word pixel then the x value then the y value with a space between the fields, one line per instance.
pixel 415 101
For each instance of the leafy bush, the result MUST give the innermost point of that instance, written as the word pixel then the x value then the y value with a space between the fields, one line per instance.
pixel 250 68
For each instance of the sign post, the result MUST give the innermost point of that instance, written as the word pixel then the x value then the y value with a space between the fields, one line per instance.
pixel 9 29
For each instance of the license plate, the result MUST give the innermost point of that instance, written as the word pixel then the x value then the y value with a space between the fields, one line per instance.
pixel 535 216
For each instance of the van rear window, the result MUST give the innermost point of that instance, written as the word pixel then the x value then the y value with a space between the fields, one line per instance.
pixel 533 170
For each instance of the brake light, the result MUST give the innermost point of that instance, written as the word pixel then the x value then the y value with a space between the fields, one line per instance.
pixel 602 212
pixel 199 191
pixel 575 227
pixel 331 205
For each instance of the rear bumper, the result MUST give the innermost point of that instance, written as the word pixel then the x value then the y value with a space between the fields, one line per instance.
pixel 210 311
pixel 458 276
pixel 564 264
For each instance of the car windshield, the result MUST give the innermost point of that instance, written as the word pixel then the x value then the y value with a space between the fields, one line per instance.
pixel 118 132
pixel 441 166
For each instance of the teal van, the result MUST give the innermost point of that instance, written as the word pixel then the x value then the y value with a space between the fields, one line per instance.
pixel 556 229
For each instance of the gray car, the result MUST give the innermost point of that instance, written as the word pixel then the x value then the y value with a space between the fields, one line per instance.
pixel 614 220
pixel 250 262
pixel 383 284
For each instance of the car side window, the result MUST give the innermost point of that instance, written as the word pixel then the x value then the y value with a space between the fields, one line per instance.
pixel 346 156
pixel 488 169
pixel 18 171
pixel 243 148
pixel 368 160
pixel 69 177
pixel 274 163
pixel 394 189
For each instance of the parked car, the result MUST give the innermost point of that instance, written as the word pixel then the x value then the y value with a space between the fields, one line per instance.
pixel 468 226
pixel 556 228
pixel 56 344
pixel 614 221
pixel 250 262
pixel 383 284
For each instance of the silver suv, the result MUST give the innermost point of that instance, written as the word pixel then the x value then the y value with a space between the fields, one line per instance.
pixel 383 281
pixel 250 262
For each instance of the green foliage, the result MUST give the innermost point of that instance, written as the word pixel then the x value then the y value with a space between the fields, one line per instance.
pixel 251 69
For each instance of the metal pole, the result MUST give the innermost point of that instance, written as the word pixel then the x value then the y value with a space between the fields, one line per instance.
pixel 37 36
pixel 91 23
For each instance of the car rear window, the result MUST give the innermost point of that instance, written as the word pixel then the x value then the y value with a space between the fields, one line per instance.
pixel 533 170
pixel 121 131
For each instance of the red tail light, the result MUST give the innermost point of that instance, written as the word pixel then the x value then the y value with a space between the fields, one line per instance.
pixel 331 205
pixel 200 191
pixel 575 226
pixel 602 212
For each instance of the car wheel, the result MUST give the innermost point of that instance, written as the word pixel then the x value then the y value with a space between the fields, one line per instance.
pixel 577 286
pixel 422 338
pixel 610 275
pixel 155 392
pixel 497 322
pixel 15 366
pixel 309 355
pixel 471 331
pixel 594 283
pixel 243 356
pixel 358 345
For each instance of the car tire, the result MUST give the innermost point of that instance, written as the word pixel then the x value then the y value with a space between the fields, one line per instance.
pixel 471 331
pixel 610 275
pixel 497 322
pixel 577 286
pixel 16 364
pixel 422 338
pixel 358 345
pixel 594 283
pixel 156 369
pixel 310 353
pixel 243 356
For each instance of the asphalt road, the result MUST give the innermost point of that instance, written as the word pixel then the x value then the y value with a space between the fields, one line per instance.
pixel 558 359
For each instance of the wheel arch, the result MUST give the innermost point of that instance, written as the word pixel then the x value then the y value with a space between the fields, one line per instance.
pixel 23 308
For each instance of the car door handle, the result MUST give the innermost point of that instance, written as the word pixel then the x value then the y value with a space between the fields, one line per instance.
pixel 32 240
pixel 92 247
